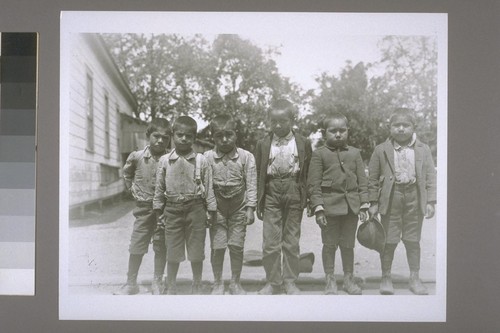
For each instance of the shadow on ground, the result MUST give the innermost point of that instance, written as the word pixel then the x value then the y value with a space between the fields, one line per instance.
pixel 95 214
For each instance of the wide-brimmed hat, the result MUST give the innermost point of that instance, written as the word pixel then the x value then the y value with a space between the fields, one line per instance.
pixel 371 234
pixel 254 258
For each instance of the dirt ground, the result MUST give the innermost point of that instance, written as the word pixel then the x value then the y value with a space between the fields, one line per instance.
pixel 98 257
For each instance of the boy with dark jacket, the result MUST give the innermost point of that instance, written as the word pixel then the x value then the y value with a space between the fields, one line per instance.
pixel 338 192
pixel 282 160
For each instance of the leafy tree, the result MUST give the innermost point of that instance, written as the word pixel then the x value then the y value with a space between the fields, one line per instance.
pixel 174 75
pixel 242 79
pixel 408 78
pixel 162 70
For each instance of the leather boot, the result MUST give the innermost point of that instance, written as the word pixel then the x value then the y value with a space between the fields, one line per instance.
pixel 331 285
pixel 416 285
pixel 350 286
pixel 235 287
pixel 157 287
pixel 386 287
pixel 218 286
pixel 291 288
pixel 130 287
pixel 171 286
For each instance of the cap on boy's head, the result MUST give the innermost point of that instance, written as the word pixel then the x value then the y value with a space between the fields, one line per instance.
pixel 405 113
pixel 284 104
pixel 222 121
pixel 157 123
pixel 187 122
pixel 329 118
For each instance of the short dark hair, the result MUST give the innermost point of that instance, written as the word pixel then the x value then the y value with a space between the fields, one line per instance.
pixel 284 104
pixel 221 121
pixel 157 123
pixel 332 116
pixel 403 112
pixel 186 121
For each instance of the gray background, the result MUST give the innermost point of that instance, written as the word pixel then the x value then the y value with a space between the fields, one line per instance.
pixel 473 150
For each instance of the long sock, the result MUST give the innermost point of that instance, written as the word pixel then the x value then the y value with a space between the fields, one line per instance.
pixel 134 262
pixel 387 257
pixel 172 269
pixel 347 255
pixel 413 255
pixel 160 262
pixel 328 255
pixel 217 260
pixel 197 268
pixel 236 257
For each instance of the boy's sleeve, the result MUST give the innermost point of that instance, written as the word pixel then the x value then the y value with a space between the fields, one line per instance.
pixel 129 170
pixel 362 179
pixel 160 187
pixel 307 160
pixel 314 178
pixel 206 174
pixel 374 171
pixel 251 181
pixel 430 171
pixel 258 157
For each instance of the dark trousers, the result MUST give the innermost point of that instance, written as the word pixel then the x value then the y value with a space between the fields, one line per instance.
pixel 281 230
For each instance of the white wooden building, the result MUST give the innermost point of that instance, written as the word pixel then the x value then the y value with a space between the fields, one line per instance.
pixel 102 129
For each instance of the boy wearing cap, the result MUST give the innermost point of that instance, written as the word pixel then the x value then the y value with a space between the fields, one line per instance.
pixel 235 189
pixel 282 159
pixel 139 174
pixel 338 192
pixel 185 196
pixel 402 188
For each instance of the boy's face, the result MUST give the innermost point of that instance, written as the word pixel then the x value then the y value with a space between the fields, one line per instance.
pixel 336 133
pixel 184 137
pixel 225 138
pixel 281 124
pixel 401 130
pixel 158 141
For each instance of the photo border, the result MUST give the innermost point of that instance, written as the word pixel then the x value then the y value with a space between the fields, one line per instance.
pixel 311 308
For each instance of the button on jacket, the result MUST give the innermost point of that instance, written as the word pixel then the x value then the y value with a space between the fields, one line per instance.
pixel 262 153
pixel 337 180
pixel 139 173
pixel 382 175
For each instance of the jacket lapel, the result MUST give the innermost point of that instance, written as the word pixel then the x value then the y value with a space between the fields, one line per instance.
pixel 266 148
pixel 389 154
pixel 300 149
pixel 418 159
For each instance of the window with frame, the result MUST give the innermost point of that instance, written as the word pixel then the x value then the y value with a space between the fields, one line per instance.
pixel 106 126
pixel 90 112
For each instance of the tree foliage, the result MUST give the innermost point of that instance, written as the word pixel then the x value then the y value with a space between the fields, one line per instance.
pixel 174 75
pixel 406 76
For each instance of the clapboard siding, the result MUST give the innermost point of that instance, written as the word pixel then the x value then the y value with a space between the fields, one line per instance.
pixel 87 168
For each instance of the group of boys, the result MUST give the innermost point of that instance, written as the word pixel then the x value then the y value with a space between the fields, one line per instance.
pixel 179 193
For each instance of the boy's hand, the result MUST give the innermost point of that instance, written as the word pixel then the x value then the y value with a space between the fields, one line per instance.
pixel 250 217
pixel 260 214
pixel 429 211
pixel 373 210
pixel 211 218
pixel 364 215
pixel 321 219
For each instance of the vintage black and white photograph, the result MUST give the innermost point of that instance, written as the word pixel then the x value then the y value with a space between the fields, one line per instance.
pixel 253 166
